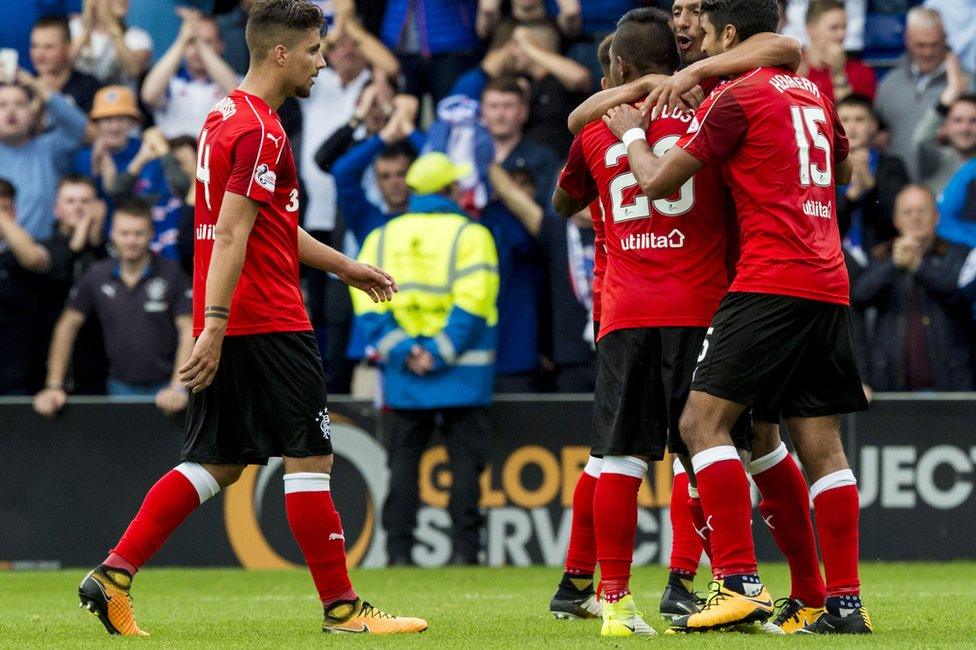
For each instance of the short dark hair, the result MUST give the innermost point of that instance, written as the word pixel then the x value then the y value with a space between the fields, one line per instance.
pixel 968 98
pixel 77 179
pixel 55 22
pixel 183 141
pixel 859 101
pixel 135 206
pixel 603 54
pixel 818 8
pixel 397 150
pixel 506 84
pixel 645 40
pixel 749 17
pixel 270 22
pixel 7 189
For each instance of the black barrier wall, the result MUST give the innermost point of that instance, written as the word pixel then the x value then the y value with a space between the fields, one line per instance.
pixel 68 487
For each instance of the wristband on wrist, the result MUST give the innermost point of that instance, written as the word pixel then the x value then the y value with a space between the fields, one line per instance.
pixel 633 135
pixel 213 311
pixel 941 108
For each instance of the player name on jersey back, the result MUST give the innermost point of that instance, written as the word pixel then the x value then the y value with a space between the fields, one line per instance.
pixel 243 150
pixel 778 143
pixel 665 258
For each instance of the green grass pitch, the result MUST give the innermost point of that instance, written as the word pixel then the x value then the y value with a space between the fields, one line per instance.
pixel 912 605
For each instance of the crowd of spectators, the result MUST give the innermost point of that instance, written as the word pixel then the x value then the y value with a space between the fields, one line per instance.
pixel 98 127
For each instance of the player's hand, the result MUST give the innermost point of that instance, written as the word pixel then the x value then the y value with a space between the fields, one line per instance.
pixel 172 400
pixel 621 119
pixel 200 369
pixel 50 401
pixel 678 94
pixel 371 280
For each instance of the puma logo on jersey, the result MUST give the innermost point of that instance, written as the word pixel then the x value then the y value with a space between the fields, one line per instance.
pixel 265 177
pixel 277 141
pixel 336 536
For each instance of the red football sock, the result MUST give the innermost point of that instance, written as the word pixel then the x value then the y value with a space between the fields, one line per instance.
pixel 837 505
pixel 785 507
pixel 615 522
pixel 315 524
pixel 702 532
pixel 725 497
pixel 167 504
pixel 581 554
pixel 686 545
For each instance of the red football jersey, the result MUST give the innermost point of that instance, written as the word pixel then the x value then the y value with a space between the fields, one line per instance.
pixel 666 258
pixel 599 257
pixel 243 149
pixel 778 141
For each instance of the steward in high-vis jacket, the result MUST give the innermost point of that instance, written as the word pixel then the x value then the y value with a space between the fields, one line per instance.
pixel 435 343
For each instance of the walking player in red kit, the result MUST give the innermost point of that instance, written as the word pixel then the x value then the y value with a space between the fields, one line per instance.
pixel 255 372
pixel 781 336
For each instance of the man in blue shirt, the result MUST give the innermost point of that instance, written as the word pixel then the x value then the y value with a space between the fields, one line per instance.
pixel 957 207
pixel 33 164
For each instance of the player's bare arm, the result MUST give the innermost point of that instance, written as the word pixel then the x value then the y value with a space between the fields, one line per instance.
pixel 234 224
pixel 762 50
pixel 658 177
pixel 371 280
pixel 597 105
pixel 843 172
pixel 565 205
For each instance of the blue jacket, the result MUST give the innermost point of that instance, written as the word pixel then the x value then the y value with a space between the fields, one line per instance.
pixel 957 207
pixel 361 216
pixel 442 25
pixel 447 270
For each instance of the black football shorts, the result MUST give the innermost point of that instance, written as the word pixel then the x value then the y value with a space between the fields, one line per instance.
pixel 643 381
pixel 791 355
pixel 267 399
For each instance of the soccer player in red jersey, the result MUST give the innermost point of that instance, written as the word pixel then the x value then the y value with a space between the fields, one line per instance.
pixel 665 275
pixel 574 597
pixel 782 334
pixel 255 372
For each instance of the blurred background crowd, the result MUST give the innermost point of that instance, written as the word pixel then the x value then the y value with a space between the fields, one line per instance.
pixel 101 103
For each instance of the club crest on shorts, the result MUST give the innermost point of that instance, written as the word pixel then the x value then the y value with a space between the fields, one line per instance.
pixel 322 417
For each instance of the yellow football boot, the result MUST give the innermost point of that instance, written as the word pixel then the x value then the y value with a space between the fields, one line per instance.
pixel 794 616
pixel 105 593
pixel 622 619
pixel 359 617
pixel 725 608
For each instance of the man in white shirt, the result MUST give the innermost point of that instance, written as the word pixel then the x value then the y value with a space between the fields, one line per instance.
pixel 190 78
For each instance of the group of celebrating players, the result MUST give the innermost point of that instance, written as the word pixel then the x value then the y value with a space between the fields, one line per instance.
pixel 723 306
pixel 694 357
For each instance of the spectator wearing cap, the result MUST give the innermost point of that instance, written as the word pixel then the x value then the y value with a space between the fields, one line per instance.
pixel 22 260
pixel 34 163
pixel 825 61
pixel 865 205
pixel 436 347
pixel 104 46
pixel 182 87
pixel 504 110
pixel 118 150
pixel 923 336
pixel 50 54
pixel 143 303
pixel 946 137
